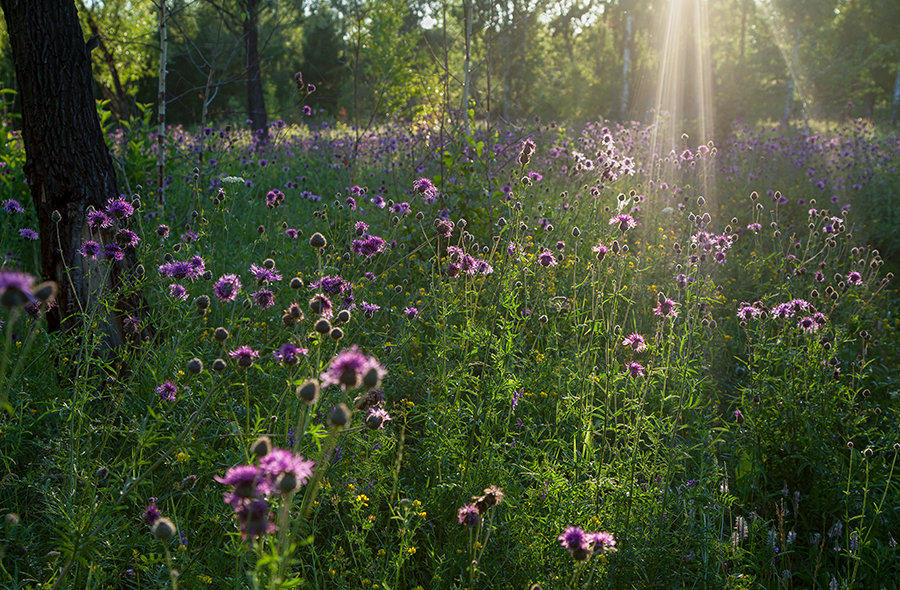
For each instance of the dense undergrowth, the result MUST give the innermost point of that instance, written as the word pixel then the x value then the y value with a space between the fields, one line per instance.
pixel 693 355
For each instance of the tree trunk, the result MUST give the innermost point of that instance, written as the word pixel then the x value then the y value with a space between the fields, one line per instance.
pixel 256 102
pixel 68 166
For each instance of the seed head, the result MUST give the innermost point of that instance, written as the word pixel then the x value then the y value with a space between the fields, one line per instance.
pixel 163 529
pixel 309 391
pixel 195 366
pixel 261 446
pixel 339 416
pixel 317 240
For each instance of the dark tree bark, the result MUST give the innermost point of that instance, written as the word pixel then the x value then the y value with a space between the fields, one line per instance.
pixel 68 166
pixel 256 103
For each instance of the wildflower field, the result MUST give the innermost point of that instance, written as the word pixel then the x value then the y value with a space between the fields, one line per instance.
pixel 485 357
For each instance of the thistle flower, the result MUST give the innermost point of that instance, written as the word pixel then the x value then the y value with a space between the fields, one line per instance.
pixel 151 512
pixel 27 233
pixel 178 292
pixel 12 206
pixel 376 417
pixel 98 219
pixel 575 540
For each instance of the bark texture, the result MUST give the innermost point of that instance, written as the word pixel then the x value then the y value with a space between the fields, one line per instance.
pixel 256 103
pixel 68 166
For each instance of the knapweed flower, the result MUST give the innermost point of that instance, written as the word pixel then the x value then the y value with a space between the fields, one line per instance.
pixel 247 481
pixel 178 292
pixel 468 515
pixel 184 269
pixel 369 309
pixel 546 258
pixel 13 206
pixel 127 238
pixel 274 197
pixel 113 252
pixel 321 305
pixel 16 288
pixel 119 208
pixel 227 287
pixel 167 391
pixel 376 417
pixel 331 285
pixel 285 470
pixel 602 541
pixel 26 233
pixel 624 221
pixel 808 324
pixel 854 278
pixel 263 298
pixel 635 342
pixel 575 540
pixel 244 355
pixel 444 227
pixel 600 251
pixel 368 246
pixel 292 233
pixel 162 230
pixel 97 219
pixel 426 188
pixel 151 512
pixel 411 313
pixel 635 369
pixel 90 249
pixel 665 307
pixel 289 353
pixel 264 275
pixel 351 368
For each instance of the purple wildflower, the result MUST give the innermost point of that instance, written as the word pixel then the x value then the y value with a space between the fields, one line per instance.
pixel 127 238
pixel 635 342
pixel 28 234
pixel 113 252
pixel 376 417
pixel 624 221
pixel 350 368
pixel 635 369
pixel 369 309
pixel 119 208
pixel 468 515
pixel 263 298
pixel 167 391
pixel 331 285
pixel 12 206
pixel 90 249
pixel 178 292
pixel 665 307
pixel 367 246
pixel 546 258
pixel 575 540
pixel 227 287
pixel 151 512
pixel 244 355
pixel 279 461
pixel 289 353
pixel 853 277
pixel 265 275
pixel 321 305
pixel 19 284
pixel 97 219
pixel 411 313
pixel 162 230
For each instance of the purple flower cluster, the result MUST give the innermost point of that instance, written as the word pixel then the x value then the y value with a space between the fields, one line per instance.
pixel 351 368
pixel 472 513
pixel 367 246
pixel 426 188
pixel 582 545
pixel 227 287
pixel 278 471
pixel 184 269
pixel 463 263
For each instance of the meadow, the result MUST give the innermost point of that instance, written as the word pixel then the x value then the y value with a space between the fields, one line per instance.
pixel 423 357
